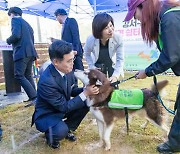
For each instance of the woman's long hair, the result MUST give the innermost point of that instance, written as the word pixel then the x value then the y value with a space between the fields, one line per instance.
pixel 150 18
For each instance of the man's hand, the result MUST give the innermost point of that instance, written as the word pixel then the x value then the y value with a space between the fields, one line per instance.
pixel 141 74
pixel 91 90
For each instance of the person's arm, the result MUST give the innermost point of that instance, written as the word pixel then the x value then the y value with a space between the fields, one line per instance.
pixel 16 31
pixel 170 54
pixel 88 53
pixel 54 95
pixel 119 64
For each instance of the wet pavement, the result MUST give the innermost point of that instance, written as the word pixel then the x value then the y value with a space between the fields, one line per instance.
pixel 11 98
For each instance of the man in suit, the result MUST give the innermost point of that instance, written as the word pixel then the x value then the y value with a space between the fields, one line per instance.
pixel 24 53
pixel 56 114
pixel 70 33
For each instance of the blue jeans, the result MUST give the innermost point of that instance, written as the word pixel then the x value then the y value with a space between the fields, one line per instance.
pixel 23 73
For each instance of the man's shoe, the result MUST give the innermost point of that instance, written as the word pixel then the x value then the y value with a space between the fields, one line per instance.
pixel 71 137
pixel 165 148
pixel 53 145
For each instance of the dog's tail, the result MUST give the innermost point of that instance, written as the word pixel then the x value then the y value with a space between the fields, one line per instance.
pixel 160 85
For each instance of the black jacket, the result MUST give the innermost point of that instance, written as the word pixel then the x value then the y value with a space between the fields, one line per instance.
pixel 170 36
pixel 22 39
pixel 71 34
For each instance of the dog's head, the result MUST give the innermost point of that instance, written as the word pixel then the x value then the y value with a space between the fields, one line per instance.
pixel 91 77
pixel 82 76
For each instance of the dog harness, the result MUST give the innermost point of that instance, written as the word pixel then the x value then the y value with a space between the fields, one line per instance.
pixel 130 99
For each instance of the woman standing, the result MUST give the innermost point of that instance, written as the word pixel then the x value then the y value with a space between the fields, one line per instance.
pixel 160 22
pixel 104 49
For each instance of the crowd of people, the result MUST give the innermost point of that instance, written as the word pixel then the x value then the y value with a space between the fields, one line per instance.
pixel 60 105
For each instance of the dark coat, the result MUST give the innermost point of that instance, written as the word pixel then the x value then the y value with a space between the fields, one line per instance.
pixel 170 36
pixel 22 39
pixel 71 34
pixel 54 99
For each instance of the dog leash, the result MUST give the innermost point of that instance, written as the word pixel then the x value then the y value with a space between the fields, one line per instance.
pixel 121 81
pixel 158 96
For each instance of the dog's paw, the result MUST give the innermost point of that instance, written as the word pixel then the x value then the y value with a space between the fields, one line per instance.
pixel 107 148
pixel 100 144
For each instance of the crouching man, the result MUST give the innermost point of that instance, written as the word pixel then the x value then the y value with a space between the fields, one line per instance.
pixel 56 114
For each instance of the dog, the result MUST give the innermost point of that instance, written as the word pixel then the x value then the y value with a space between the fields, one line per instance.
pixel 105 116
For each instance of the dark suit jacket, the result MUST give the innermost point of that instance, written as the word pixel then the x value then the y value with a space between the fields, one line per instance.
pixel 71 34
pixel 22 39
pixel 54 100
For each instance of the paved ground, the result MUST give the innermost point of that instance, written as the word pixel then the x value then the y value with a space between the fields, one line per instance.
pixel 12 98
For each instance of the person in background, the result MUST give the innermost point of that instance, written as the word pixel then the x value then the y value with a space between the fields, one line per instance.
pixel 160 22
pixel 104 48
pixel 56 113
pixel 24 53
pixel 70 33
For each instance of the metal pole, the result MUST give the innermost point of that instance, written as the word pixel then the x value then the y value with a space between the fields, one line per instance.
pixel 95 12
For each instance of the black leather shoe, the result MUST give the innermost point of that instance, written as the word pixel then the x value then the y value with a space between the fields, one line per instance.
pixel 71 137
pixel 165 148
pixel 53 145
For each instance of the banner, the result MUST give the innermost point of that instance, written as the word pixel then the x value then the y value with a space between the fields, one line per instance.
pixel 138 55
pixel 5 46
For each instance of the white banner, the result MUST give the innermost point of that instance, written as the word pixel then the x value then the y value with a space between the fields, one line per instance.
pixel 138 55
pixel 5 46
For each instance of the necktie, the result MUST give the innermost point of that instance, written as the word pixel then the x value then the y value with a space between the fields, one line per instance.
pixel 65 81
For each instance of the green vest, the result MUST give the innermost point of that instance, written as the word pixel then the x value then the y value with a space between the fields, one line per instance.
pixel 159 36
pixel 132 99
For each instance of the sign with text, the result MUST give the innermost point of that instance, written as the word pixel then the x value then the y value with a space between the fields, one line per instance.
pixel 5 46
pixel 138 55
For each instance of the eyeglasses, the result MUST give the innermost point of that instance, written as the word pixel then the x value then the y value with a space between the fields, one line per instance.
pixel 71 60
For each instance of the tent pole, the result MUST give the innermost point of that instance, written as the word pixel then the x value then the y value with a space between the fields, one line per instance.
pixel 95 12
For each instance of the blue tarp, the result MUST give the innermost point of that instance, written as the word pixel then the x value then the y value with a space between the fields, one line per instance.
pixel 46 8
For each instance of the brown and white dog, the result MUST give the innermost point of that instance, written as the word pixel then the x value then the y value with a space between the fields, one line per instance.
pixel 105 116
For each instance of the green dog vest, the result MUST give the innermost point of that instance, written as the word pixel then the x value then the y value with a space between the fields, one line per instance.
pixel 132 99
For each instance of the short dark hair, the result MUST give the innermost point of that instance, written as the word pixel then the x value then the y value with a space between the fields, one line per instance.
pixel 100 21
pixel 60 12
pixel 15 10
pixel 58 49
